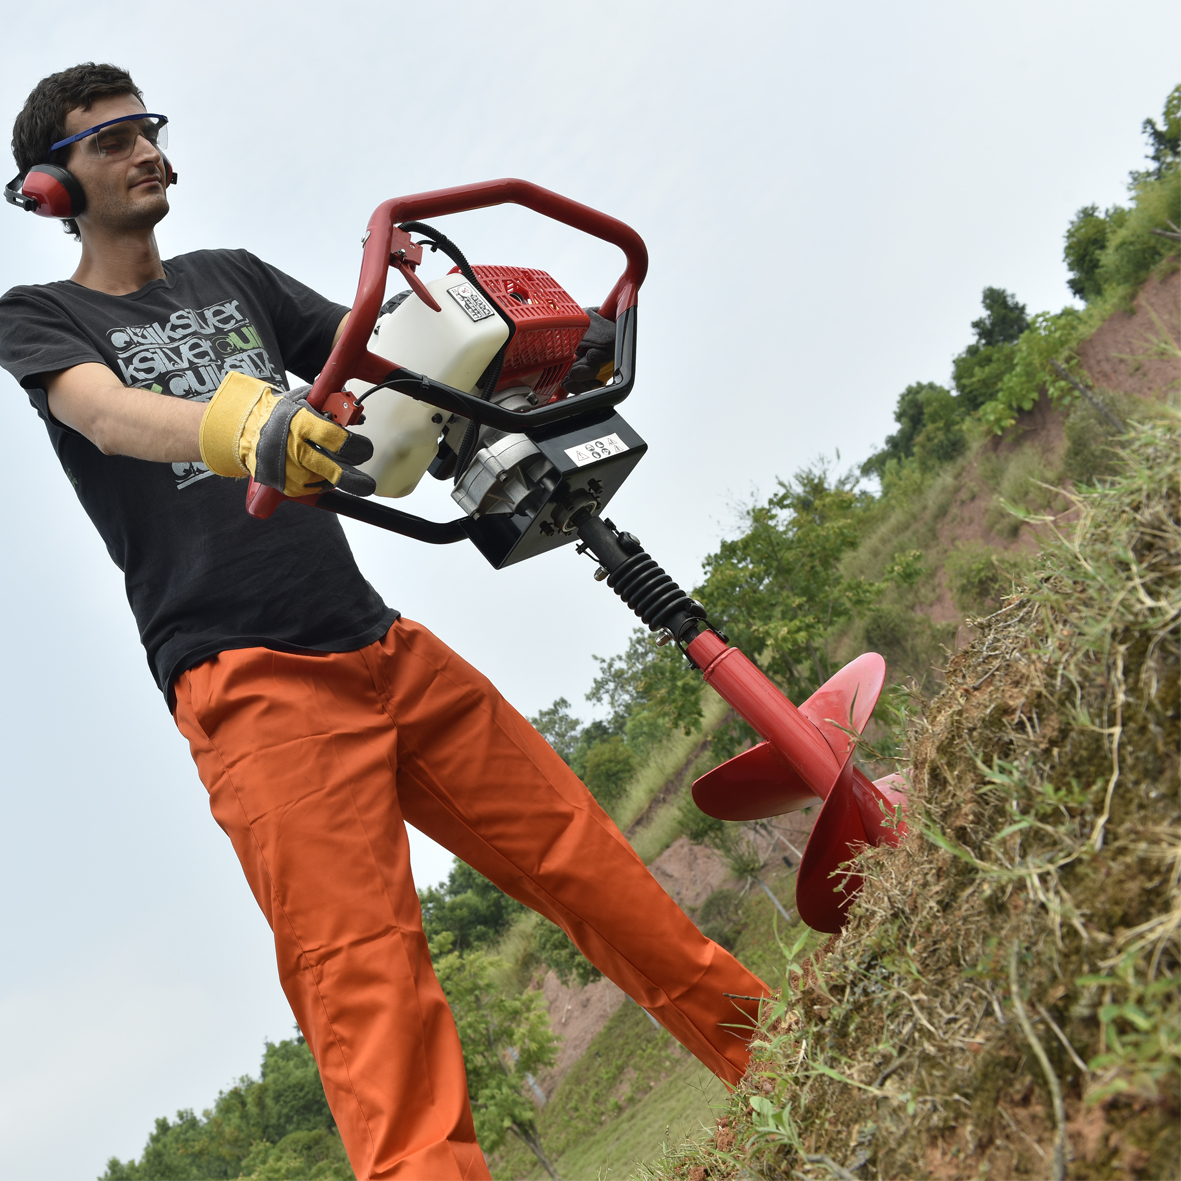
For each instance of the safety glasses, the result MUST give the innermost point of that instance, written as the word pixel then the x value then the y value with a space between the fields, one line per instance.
pixel 116 138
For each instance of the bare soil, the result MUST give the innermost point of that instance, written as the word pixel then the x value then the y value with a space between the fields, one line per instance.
pixel 967 521
pixel 1121 355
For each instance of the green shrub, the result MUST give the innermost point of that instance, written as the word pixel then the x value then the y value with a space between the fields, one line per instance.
pixel 1133 250
pixel 980 576
pixel 1028 481
pixel 1049 338
pixel 1091 441
pixel 609 767
pixel 720 918
pixel 696 825
pixel 556 950
pixel 910 643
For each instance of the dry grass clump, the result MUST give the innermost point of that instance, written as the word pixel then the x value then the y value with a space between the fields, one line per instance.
pixel 1005 999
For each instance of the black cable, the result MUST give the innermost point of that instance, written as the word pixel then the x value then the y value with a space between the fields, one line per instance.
pixel 437 241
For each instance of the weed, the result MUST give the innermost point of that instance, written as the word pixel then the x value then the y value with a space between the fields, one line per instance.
pixel 979 576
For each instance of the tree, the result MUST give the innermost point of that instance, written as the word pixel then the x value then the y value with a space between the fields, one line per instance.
pixel 1086 239
pixel 928 419
pixel 275 1126
pixel 1164 142
pixel 468 907
pixel 1004 320
pixel 556 950
pixel 777 590
pixel 506 1039
pixel 645 686
pixel 609 767
pixel 979 370
pixel 559 728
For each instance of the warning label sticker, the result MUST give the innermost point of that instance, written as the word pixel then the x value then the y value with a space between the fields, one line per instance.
pixel 595 449
pixel 472 302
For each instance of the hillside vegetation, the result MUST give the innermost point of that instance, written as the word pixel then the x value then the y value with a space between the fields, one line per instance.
pixel 1006 989
pixel 1005 998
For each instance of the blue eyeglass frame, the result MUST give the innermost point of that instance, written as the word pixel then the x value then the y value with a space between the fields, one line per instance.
pixel 65 143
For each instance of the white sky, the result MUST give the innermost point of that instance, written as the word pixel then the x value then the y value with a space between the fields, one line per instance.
pixel 824 190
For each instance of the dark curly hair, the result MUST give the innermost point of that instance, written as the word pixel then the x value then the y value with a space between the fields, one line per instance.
pixel 42 120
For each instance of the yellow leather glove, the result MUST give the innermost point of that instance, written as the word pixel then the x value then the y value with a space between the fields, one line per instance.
pixel 250 430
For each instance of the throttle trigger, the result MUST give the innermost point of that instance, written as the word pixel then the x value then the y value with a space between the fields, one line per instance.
pixel 343 408
pixel 405 255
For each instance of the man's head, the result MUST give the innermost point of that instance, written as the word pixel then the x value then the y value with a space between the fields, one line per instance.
pixel 123 194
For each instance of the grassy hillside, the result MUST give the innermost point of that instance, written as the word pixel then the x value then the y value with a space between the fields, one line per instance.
pixel 1004 1000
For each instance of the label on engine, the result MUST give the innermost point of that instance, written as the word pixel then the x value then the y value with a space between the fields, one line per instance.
pixel 595 449
pixel 472 302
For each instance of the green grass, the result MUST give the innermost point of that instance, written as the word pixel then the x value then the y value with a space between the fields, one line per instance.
pixel 660 831
pixel 665 761
pixel 683 1106
pixel 613 1108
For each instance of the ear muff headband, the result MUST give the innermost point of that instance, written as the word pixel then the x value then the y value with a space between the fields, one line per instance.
pixel 49 190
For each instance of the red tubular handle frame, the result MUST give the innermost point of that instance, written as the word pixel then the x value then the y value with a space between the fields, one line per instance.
pixel 351 357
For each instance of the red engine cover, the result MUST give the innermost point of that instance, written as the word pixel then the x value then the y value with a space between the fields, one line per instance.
pixel 549 324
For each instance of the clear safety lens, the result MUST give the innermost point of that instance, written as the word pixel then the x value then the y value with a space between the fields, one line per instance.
pixel 117 142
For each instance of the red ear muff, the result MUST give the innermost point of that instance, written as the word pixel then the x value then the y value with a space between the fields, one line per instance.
pixel 55 190
pixel 169 171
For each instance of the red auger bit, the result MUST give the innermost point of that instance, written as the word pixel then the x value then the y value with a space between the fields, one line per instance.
pixel 806 756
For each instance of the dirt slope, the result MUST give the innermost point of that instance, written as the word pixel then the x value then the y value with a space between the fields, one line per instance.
pixel 1123 354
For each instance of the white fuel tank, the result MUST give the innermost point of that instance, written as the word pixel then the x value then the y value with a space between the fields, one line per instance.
pixel 453 346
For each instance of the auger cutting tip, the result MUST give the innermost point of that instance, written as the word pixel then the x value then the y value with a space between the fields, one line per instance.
pixel 856 814
pixel 806 756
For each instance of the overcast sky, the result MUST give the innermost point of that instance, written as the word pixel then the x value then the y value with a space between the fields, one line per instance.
pixel 824 191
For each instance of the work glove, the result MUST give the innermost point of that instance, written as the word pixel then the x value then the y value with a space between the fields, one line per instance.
pixel 249 429
pixel 594 359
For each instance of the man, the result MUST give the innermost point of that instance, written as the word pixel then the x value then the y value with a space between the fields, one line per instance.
pixel 319 719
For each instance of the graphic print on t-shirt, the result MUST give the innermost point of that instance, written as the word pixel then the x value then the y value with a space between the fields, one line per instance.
pixel 188 355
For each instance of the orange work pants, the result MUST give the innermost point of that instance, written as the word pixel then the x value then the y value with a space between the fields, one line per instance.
pixel 312 762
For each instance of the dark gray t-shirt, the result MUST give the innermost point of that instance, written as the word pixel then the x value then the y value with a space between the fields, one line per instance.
pixel 202 575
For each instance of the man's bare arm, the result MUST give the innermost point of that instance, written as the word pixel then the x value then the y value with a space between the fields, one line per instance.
pixel 122 420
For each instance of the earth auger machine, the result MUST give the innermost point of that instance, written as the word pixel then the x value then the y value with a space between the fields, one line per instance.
pixel 462 378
